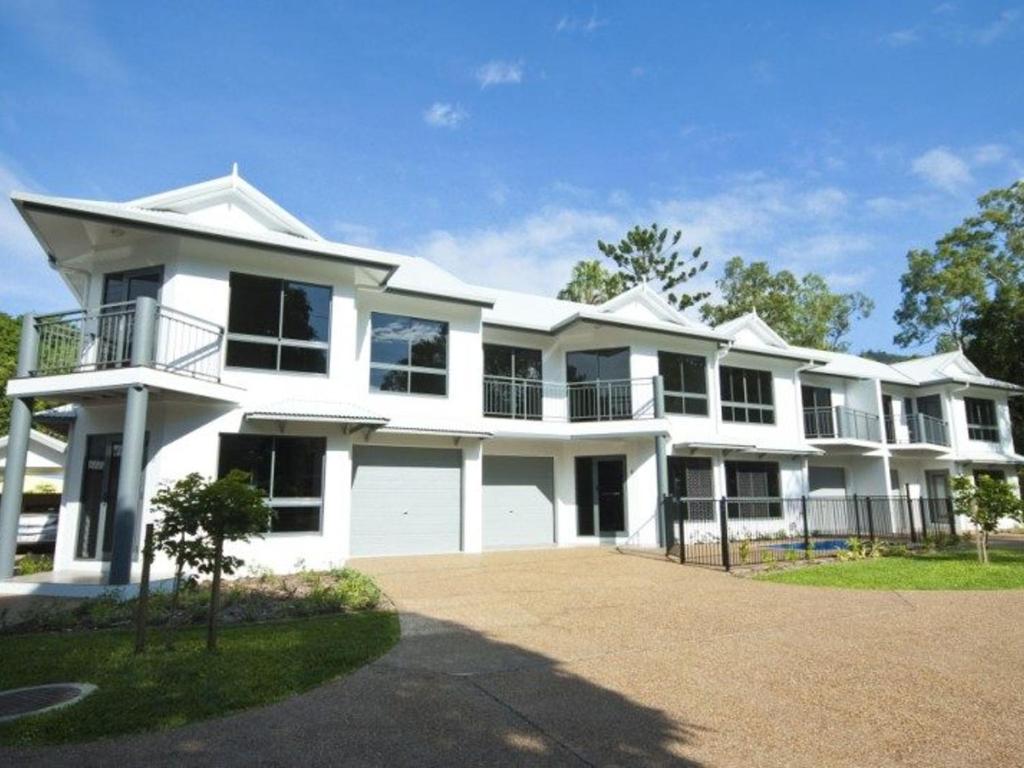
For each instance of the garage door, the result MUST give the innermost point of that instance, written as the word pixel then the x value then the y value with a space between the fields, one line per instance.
pixel 406 501
pixel 519 506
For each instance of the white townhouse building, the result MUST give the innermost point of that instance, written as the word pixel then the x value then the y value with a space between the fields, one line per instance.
pixel 387 407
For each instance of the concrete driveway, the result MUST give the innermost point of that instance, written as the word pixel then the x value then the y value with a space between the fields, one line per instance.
pixel 589 657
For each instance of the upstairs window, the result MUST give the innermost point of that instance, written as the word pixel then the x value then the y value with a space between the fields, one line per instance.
pixel 408 354
pixel 746 395
pixel 289 470
pixel 278 325
pixel 981 419
pixel 513 386
pixel 686 383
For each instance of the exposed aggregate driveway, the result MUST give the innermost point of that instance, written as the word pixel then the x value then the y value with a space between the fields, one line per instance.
pixel 590 657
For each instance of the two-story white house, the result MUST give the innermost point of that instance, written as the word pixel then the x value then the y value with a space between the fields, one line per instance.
pixel 386 407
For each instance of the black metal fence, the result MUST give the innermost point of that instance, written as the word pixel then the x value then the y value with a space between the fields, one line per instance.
pixel 728 532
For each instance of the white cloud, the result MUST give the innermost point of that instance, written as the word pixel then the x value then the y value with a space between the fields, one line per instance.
pixel 585 25
pixel 752 216
pixel 901 38
pixel 29 283
pixel 500 73
pixel 989 154
pixel 442 114
pixel 355 234
pixel 942 168
pixel 997 29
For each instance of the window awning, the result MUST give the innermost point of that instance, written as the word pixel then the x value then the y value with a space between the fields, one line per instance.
pixel 315 411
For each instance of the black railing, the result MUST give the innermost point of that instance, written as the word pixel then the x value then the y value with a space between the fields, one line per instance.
pixel 840 421
pixel 99 339
pixel 622 399
pixel 728 532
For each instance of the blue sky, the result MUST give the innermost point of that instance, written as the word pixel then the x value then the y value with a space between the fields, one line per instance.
pixel 503 139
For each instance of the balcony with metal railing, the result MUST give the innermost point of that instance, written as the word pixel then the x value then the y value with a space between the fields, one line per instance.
pixel 917 429
pixel 68 349
pixel 568 402
pixel 841 423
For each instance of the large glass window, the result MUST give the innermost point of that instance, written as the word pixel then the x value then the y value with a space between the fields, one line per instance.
pixel 753 489
pixel 981 419
pixel 289 470
pixel 686 383
pixel 746 395
pixel 599 386
pixel 278 325
pixel 408 354
pixel 512 382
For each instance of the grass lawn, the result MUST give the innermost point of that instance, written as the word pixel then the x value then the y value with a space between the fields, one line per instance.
pixel 945 569
pixel 256 664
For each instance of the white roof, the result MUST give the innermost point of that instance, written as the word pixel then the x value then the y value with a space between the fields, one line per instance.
pixel 949 367
pixel 40 438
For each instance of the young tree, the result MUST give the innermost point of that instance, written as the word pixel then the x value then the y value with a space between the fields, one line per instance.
pixel 803 311
pixel 591 283
pixel 231 510
pixel 177 533
pixel 199 516
pixel 985 502
pixel 646 254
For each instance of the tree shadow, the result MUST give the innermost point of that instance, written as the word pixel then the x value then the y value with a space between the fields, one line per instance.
pixel 444 695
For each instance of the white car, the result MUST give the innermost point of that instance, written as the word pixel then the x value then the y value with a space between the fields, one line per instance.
pixel 37 529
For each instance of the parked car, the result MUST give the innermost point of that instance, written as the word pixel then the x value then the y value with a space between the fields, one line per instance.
pixel 37 525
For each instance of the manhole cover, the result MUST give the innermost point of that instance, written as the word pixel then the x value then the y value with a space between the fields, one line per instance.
pixel 21 702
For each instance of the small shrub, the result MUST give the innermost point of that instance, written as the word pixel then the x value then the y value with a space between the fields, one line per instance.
pixel 791 555
pixel 33 563
pixel 768 557
pixel 810 550
pixel 745 551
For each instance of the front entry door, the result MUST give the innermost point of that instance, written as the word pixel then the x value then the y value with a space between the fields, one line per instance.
pixel 99 497
pixel 600 495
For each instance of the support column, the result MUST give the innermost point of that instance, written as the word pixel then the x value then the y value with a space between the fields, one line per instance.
pixel 472 496
pixel 133 447
pixel 661 461
pixel 17 450
pixel 129 484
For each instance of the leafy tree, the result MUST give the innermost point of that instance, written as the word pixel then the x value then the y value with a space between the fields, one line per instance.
pixel 203 516
pixel 804 311
pixel 985 502
pixel 646 254
pixel 10 333
pixel 943 288
pixel 591 283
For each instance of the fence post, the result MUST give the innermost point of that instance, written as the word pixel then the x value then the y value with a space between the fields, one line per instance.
pixel 723 523
pixel 922 505
pixel 910 516
pixel 682 534
pixel 856 514
pixel 807 530
pixel 952 516
pixel 871 522
pixel 142 606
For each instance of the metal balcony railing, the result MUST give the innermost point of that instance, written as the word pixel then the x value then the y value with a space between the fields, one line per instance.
pixel 528 399
pixel 840 421
pixel 917 428
pixel 100 339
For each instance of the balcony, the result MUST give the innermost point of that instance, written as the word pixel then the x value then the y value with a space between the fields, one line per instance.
pixel 841 423
pixel 116 345
pixel 917 429
pixel 531 400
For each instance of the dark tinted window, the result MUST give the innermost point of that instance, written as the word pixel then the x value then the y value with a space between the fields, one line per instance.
pixel 292 317
pixel 408 354
pixel 686 384
pixel 746 395
pixel 288 469
pixel 755 487
pixel 981 419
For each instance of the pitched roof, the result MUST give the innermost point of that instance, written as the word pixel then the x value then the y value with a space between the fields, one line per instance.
pixel 949 367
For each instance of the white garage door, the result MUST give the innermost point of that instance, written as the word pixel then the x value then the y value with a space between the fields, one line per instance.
pixel 519 501
pixel 406 501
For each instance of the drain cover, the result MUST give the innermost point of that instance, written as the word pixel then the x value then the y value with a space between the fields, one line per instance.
pixel 21 702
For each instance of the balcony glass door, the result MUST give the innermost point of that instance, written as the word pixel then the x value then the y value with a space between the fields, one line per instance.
pixel 513 386
pixel 818 420
pixel 117 314
pixel 598 384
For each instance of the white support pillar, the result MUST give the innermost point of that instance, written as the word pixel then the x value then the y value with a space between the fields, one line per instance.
pixel 472 496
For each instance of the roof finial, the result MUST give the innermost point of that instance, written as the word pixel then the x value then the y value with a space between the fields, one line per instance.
pixel 234 170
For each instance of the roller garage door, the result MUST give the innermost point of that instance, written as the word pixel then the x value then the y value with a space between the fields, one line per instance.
pixel 406 501
pixel 519 506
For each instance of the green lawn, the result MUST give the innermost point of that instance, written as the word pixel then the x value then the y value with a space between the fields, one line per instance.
pixel 947 569
pixel 256 664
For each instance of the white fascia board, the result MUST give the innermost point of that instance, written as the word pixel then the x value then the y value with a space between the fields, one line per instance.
pixel 74 385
